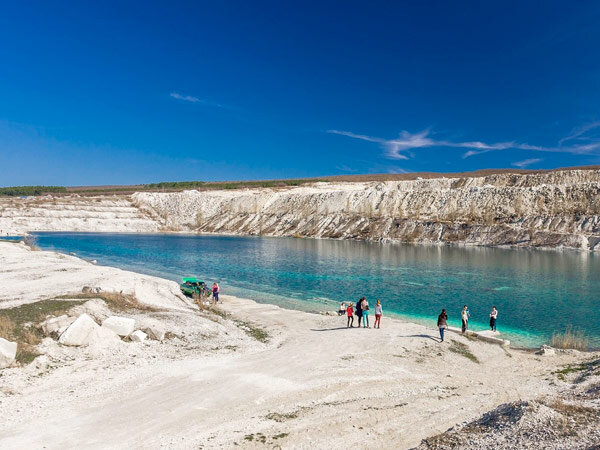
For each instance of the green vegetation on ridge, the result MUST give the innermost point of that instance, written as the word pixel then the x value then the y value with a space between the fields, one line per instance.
pixel 19 191
pixel 228 185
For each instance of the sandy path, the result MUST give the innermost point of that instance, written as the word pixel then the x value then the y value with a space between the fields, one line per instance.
pixel 331 386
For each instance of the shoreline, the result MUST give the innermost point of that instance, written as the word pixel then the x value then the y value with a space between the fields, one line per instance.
pixel 520 337
pixel 390 241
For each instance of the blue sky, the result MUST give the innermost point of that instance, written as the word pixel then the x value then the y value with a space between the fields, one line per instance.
pixel 126 92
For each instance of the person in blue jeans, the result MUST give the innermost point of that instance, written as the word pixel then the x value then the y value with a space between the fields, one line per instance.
pixel 215 292
pixel 365 313
pixel 442 323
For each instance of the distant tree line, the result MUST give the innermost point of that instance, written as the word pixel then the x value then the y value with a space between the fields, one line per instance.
pixel 21 191
pixel 227 185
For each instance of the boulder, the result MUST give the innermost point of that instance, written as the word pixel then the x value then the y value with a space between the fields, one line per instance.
pixel 123 326
pixel 155 331
pixel 103 337
pixel 546 350
pixel 79 331
pixel 138 336
pixel 56 325
pixel 8 352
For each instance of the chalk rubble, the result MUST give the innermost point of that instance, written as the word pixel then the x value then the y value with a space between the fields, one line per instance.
pixel 56 325
pixel 123 326
pixel 95 308
pixel 79 331
pixel 8 352
pixel 156 332
pixel 138 336
pixel 546 350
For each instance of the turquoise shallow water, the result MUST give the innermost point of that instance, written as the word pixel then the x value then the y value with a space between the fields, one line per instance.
pixel 536 292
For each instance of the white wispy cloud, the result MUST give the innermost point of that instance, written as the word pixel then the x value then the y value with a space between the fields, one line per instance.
pixel 581 133
pixel 345 168
pixel 397 170
pixel 400 148
pixel 526 162
pixel 192 99
pixel 187 98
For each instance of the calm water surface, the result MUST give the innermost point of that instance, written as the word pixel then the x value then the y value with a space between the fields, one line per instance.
pixel 536 292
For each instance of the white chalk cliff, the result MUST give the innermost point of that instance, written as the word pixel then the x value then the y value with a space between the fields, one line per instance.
pixel 550 209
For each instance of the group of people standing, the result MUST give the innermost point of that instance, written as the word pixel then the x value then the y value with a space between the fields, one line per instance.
pixel 362 313
pixel 465 315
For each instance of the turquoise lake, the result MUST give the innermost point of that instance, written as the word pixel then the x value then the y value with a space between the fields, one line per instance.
pixel 536 292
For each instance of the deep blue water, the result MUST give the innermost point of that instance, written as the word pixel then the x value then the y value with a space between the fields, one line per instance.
pixel 536 292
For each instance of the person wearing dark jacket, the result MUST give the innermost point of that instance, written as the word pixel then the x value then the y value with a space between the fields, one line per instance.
pixel 442 323
pixel 359 311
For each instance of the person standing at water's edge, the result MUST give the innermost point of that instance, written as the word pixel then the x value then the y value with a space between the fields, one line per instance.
pixel 442 323
pixel 359 313
pixel 465 318
pixel 215 292
pixel 493 317
pixel 378 313
pixel 350 313
pixel 365 312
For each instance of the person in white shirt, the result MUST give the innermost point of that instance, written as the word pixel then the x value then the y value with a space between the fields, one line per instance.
pixel 378 313
pixel 365 312
pixel 465 318
pixel 493 317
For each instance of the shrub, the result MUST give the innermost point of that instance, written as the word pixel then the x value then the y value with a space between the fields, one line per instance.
pixel 570 339
pixel 463 350
pixel 117 301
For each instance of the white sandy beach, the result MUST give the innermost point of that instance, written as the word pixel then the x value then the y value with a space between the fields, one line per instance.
pixel 313 384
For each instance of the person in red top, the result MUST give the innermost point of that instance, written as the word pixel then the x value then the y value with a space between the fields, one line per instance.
pixel 350 313
pixel 215 292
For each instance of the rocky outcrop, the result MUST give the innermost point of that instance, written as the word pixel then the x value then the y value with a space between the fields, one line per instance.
pixel 547 209
pixel 552 209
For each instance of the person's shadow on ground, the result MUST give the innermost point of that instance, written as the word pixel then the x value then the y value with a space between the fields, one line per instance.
pixel 424 336
pixel 332 329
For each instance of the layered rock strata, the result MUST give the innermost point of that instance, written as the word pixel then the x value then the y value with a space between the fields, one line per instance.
pixel 548 209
